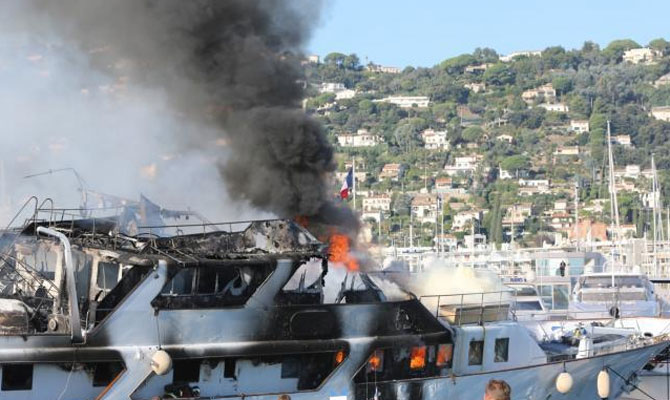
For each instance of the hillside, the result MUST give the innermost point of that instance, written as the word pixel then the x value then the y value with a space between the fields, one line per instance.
pixel 495 144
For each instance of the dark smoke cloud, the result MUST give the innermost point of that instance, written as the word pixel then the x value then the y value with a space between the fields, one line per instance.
pixel 230 64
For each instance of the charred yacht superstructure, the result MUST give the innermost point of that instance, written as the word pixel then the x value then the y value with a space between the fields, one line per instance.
pixel 88 312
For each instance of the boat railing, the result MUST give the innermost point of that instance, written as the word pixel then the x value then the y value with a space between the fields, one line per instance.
pixel 470 308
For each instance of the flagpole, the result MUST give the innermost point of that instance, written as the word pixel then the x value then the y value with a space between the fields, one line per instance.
pixel 353 173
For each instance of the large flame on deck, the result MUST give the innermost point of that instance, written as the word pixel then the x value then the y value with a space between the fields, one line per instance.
pixel 339 244
pixel 340 251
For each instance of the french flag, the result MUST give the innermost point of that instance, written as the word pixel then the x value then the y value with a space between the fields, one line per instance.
pixel 347 184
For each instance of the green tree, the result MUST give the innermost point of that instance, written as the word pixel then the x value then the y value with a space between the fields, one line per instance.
pixel 351 62
pixel 614 51
pixel 515 162
pixel 335 58
pixel 485 55
pixel 499 74
pixel 661 45
pixel 562 84
pixel 472 134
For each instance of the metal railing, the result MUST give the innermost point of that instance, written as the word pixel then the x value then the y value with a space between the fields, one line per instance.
pixel 470 308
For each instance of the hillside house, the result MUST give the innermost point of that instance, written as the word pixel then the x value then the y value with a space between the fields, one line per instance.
pixel 555 107
pixel 464 165
pixel 425 207
pixel 464 218
pixel 623 140
pixel 517 214
pixel 435 140
pixel 443 184
pixel 567 151
pixel 390 171
pixel 362 138
pixel 590 231
pixel 377 202
pixel 547 92
pixel 477 69
pixel 662 113
pixel 642 55
pixel 406 101
pixel 505 138
pixel 383 69
pixel 579 125
pixel 475 87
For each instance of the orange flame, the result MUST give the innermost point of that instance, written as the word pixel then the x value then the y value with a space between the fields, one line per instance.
pixel 339 251
pixel 444 354
pixel 418 357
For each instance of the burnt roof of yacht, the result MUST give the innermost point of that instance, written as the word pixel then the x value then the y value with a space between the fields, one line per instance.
pixel 255 239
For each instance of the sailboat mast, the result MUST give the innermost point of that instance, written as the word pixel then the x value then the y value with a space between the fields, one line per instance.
pixel 655 212
pixel 614 205
pixel 576 215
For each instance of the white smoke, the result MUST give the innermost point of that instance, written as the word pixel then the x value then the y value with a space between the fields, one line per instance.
pixel 56 111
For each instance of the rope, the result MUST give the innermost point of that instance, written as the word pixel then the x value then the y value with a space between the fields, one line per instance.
pixel 69 375
pixel 628 382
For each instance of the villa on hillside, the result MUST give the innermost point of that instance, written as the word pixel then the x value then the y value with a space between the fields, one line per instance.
pixel 579 125
pixel 642 55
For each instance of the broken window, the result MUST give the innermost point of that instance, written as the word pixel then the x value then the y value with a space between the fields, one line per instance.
pixel 501 350
pixel 17 377
pixel 476 352
pixel 108 275
pixel 305 286
pixel 186 371
pixel 211 287
pixel 105 372
pixel 229 368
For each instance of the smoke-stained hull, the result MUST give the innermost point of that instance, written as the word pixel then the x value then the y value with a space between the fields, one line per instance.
pixel 252 313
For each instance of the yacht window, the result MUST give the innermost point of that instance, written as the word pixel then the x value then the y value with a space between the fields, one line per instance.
pixel 417 358
pixel 105 373
pixel 561 297
pixel 181 284
pixel 525 291
pixel 229 368
pixel 206 281
pixel 501 350
pixel 186 371
pixel 528 306
pixel 444 354
pixel 290 367
pixel 17 377
pixel 108 275
pixel 476 352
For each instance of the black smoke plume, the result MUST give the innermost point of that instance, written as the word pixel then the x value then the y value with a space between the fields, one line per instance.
pixel 233 65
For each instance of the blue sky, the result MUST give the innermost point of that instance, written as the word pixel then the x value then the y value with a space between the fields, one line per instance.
pixel 424 32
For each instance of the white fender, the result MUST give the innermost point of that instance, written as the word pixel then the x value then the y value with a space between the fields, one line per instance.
pixel 603 384
pixel 564 382
pixel 161 362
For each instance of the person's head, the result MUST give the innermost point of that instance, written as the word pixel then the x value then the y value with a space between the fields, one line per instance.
pixel 497 390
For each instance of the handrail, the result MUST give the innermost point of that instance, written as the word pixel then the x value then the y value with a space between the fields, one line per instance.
pixel 39 208
pixel 479 301
pixel 31 198
pixel 73 303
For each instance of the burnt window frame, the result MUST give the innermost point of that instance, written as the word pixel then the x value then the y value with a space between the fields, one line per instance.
pixel 167 299
pixel 13 370
pixel 504 359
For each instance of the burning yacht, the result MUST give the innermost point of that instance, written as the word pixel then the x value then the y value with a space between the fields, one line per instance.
pixel 89 312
